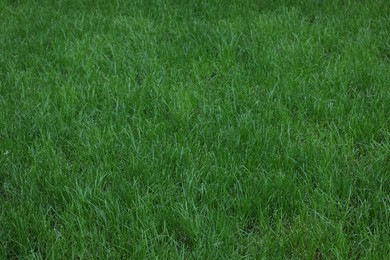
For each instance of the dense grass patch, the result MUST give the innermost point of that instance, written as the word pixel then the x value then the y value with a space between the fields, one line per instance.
pixel 194 129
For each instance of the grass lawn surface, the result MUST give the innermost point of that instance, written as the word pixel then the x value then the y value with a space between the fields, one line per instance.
pixel 194 129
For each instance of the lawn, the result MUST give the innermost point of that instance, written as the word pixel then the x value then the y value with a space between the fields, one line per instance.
pixel 194 129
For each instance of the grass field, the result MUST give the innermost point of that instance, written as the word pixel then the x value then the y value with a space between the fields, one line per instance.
pixel 194 129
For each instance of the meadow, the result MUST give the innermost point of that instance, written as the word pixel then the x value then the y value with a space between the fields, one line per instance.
pixel 194 129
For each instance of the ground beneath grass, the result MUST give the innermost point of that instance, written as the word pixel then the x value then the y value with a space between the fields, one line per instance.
pixel 194 129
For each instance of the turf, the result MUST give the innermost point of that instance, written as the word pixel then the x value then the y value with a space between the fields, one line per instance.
pixel 194 129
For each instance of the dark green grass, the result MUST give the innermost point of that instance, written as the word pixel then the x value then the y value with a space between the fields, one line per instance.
pixel 194 129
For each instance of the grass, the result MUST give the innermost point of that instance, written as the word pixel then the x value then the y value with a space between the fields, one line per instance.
pixel 194 129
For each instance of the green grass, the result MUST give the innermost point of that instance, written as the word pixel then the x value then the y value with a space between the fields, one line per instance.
pixel 194 129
